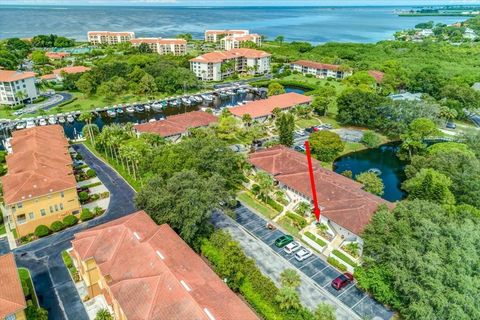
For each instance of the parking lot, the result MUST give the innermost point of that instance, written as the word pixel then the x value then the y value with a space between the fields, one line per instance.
pixel 316 269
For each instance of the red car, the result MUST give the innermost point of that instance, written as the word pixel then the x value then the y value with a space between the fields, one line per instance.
pixel 342 280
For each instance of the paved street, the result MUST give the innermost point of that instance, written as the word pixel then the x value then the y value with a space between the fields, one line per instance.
pixel 315 269
pixel 55 289
pixel 4 247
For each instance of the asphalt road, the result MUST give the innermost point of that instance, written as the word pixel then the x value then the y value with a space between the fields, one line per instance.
pixel 315 268
pixel 55 289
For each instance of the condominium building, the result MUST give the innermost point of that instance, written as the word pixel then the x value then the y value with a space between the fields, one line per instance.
pixel 217 35
pixel 177 47
pixel 238 41
pixel 17 87
pixel 58 74
pixel 109 37
pixel 12 300
pixel 40 186
pixel 146 271
pixel 215 66
pixel 321 70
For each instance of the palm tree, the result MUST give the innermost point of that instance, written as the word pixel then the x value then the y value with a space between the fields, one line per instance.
pixel 20 95
pixel 324 311
pixel 290 278
pixel 87 117
pixel 288 299
pixel 103 314
pixel 265 183
pixel 247 119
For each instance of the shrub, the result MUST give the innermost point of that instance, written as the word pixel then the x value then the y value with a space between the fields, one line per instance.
pixel 275 205
pixel 98 211
pixel 91 185
pixel 311 236
pixel 371 139
pixel 78 157
pixel 299 221
pixel 334 262
pixel 344 258
pixel 104 195
pixel 57 226
pixel 86 215
pixel 42 231
pixel 255 189
pixel 70 220
pixel 91 173
pixel 83 196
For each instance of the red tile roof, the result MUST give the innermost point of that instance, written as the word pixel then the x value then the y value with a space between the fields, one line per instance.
pixel 219 56
pixel 154 274
pixel 341 199
pixel 10 75
pixel 71 70
pixel 317 65
pixel 40 164
pixel 177 124
pixel 57 55
pixel 262 108
pixel 378 75
pixel 11 293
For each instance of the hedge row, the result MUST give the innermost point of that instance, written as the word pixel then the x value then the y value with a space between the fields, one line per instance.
pixel 311 236
pixel 43 231
pixel 344 258
pixel 299 221
pixel 274 204
pixel 334 262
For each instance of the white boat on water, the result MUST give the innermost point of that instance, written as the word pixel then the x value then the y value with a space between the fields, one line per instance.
pixel 152 120
pixel 61 119
pixel 148 107
pixel 70 118
pixel 241 91
pixel 119 110
pixel 130 109
pixel 230 93
pixel 20 125
pixel 52 120
pixel 173 103
pixel 186 101
pixel 197 99
pixel 111 113
pixel 30 123
pixel 157 107
pixel 207 97
pixel 42 122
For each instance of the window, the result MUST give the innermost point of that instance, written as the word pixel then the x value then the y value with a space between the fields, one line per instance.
pixel 11 317
pixel 51 209
pixel 20 205
pixel 31 216
pixel 61 206
pixel 21 219
pixel 43 212
pixel 14 209
pixel 56 207
pixel 62 194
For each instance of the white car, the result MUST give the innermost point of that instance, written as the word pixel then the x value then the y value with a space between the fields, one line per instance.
pixel 303 254
pixel 292 247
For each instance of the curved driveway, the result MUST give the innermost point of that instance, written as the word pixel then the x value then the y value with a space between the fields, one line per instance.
pixel 55 289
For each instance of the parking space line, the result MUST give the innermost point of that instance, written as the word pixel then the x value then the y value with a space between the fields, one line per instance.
pixel 307 263
pixel 344 291
pixel 319 272
pixel 359 302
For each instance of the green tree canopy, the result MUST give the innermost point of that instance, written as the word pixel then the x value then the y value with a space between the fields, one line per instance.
pixel 371 182
pixel 431 185
pixel 326 145
pixel 275 88
pixel 285 124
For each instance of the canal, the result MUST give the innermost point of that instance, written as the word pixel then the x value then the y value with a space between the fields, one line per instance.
pixel 383 158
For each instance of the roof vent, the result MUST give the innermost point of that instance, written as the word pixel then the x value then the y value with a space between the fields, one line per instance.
pixel 184 284
pixel 209 314
pixel 160 255
pixel 136 236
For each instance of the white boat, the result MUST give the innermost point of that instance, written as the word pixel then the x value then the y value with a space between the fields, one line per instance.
pixel 130 109
pixel 197 99
pixel 230 93
pixel 186 101
pixel 42 122
pixel 70 118
pixel 119 110
pixel 152 120
pixel 241 91
pixel 148 107
pixel 30 123
pixel 111 113
pixel 52 120
pixel 139 108
pixel 157 107
pixel 207 97
pixel 61 119
pixel 173 103
pixel 20 125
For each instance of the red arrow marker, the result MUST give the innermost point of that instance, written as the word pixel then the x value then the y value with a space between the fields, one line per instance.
pixel 316 209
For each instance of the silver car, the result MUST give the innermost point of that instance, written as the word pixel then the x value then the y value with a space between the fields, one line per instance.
pixel 292 247
pixel 303 254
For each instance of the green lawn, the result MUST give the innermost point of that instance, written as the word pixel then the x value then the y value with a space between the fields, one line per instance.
pixel 256 205
pixel 344 258
pixel 311 236
pixel 2 229
pixel 287 224
pixel 24 275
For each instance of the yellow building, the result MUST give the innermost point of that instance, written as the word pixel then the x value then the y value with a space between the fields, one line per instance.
pixel 12 300
pixel 40 186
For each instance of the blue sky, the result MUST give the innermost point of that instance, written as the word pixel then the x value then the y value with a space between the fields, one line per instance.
pixel 239 2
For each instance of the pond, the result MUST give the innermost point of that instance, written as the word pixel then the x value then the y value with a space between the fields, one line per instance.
pixel 383 158
pixel 294 89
